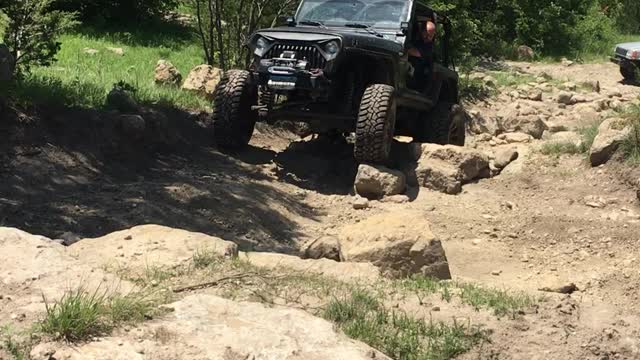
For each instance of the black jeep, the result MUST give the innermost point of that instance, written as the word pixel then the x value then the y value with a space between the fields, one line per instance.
pixel 342 66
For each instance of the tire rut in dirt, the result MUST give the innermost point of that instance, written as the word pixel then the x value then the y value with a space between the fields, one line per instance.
pixel 376 124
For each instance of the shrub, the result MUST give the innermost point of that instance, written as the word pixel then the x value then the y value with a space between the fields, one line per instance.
pixel 32 31
pixel 117 11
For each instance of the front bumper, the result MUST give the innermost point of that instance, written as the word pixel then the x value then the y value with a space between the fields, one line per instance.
pixel 281 75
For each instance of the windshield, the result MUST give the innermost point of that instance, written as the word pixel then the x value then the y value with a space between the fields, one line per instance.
pixel 375 13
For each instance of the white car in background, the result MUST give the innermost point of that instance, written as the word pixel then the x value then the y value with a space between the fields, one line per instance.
pixel 627 55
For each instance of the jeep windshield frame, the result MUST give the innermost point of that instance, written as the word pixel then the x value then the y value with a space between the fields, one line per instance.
pixel 378 14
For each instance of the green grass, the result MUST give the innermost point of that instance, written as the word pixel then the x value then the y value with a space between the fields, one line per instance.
pixel 80 79
pixel 204 258
pixel 557 148
pixel 80 315
pixel 401 336
pixel 9 341
pixel 589 134
pixel 630 147
pixel 501 302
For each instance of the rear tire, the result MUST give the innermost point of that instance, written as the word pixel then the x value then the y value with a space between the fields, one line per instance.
pixel 629 71
pixel 376 124
pixel 233 119
pixel 446 125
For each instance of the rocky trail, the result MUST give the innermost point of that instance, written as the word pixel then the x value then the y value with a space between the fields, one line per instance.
pixel 541 242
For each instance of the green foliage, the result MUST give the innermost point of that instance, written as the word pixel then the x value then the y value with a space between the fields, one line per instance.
pixel 558 148
pixel 117 11
pixel 80 315
pixel 589 134
pixel 76 316
pixel 631 145
pixel 500 301
pixel 32 31
pixel 400 336
pixel 80 79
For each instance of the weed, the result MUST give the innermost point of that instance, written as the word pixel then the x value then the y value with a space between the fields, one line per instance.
pixel 76 316
pixel 630 147
pixel 361 316
pixel 501 302
pixel 13 346
pixel 80 315
pixel 204 258
pixel 558 148
pixel 589 134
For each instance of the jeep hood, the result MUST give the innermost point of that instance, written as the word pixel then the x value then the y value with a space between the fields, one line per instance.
pixel 350 38
pixel 630 45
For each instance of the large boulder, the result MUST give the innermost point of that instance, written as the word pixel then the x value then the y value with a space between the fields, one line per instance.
pixel 525 53
pixel 504 157
pixel 167 74
pixel 148 245
pixel 210 327
pixel 7 64
pixel 203 79
pixel 375 182
pixel 34 268
pixel 399 243
pixel 446 168
pixel 528 124
pixel 325 247
pixel 611 133
pixel 480 124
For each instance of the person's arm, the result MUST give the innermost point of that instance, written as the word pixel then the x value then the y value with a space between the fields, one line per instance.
pixel 413 52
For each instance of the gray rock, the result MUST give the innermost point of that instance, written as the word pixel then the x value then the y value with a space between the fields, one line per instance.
pixel 326 247
pixel 535 95
pixel 375 182
pixel 68 238
pixel 133 126
pixel 360 203
pixel 7 64
pixel 516 137
pixel 446 168
pixel 611 134
pixel 484 125
pixel 504 157
pixel 565 97
pixel 167 74
pixel 120 100
pixel 528 124
pixel 399 243
pixel 525 53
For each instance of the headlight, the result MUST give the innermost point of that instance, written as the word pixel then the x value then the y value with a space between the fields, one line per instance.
pixel 261 46
pixel 332 48
pixel 633 54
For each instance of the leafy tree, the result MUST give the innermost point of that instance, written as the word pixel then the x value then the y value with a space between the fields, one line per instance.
pixel 32 30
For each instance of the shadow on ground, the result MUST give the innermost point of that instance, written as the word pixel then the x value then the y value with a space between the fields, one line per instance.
pixel 73 172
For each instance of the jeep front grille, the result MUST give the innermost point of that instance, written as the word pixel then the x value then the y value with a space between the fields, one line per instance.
pixel 621 51
pixel 303 52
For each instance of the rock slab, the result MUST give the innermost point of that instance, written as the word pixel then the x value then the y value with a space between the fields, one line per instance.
pixel 446 168
pixel 399 243
pixel 203 79
pixel 375 182
pixel 611 133
pixel 210 327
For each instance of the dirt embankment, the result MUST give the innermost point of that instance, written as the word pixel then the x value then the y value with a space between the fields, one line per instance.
pixel 543 220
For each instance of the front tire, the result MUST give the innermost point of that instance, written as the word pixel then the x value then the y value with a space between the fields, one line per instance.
pixel 376 124
pixel 629 71
pixel 233 119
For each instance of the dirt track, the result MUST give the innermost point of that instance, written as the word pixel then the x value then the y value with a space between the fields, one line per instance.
pixel 530 225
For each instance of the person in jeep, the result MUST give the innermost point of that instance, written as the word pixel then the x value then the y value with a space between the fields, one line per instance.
pixel 421 54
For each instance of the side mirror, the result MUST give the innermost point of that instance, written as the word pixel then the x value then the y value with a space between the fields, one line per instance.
pixel 404 28
pixel 291 21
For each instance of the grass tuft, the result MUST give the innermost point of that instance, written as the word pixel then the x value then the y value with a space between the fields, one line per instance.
pixel 361 316
pixel 589 134
pixel 80 315
pixel 204 258
pixel 558 148
pixel 76 316
pixel 502 303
